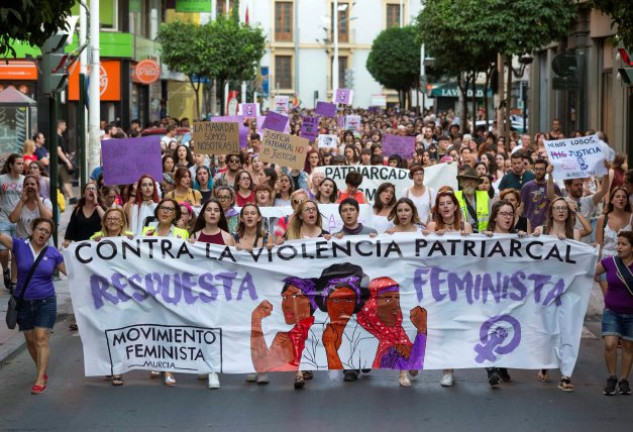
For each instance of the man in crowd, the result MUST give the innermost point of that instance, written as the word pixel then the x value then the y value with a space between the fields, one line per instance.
pixel 475 204
pixel 65 165
pixel 536 194
pixel 170 135
pixel 40 151
pixel 518 176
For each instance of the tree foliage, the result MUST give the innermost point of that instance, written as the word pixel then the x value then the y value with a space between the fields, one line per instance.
pixel 394 59
pixel 621 15
pixel 220 50
pixel 31 21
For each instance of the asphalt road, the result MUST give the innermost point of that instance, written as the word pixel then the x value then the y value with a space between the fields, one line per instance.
pixel 374 403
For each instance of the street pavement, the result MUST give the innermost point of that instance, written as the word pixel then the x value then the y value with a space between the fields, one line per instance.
pixel 376 402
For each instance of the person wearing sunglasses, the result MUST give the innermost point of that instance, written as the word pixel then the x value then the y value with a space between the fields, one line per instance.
pixel 234 164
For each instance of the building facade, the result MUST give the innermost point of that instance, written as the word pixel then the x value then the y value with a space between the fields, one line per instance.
pixel 300 48
pixel 576 81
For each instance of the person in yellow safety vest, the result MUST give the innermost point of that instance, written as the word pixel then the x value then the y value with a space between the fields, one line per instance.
pixel 475 204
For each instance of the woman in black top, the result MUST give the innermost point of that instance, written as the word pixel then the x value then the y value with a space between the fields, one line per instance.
pixel 85 219
pixel 521 223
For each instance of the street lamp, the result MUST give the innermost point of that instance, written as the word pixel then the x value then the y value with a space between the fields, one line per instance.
pixel 336 9
pixel 524 60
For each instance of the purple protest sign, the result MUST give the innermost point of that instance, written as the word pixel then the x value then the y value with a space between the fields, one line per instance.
pixel 275 121
pixel 243 130
pixel 249 109
pixel 325 109
pixel 344 96
pixel 400 145
pixel 125 160
pixel 309 127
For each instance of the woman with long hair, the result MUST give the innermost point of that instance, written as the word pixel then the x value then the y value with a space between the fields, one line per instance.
pixel 313 160
pixel 404 216
pixel 617 324
pixel 113 224
pixel 28 154
pixel 306 222
pixel 187 217
pixel 282 198
pixel 30 207
pixel 85 219
pixel 447 218
pixel 211 227
pixel 37 169
pixel 144 204
pixel 183 157
pixel 168 164
pixel 561 219
pixel 327 192
pixel 501 222
pixel 384 201
pixel 38 311
pixel 203 182
pixel 513 196
pixel 167 214
pixel 244 188
pixel 183 190
pixel 256 169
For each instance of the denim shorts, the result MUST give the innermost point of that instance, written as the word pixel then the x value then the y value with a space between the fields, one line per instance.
pixel 7 228
pixel 617 324
pixel 37 313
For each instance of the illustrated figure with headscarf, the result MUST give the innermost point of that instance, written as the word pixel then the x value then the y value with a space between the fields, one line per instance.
pixel 341 292
pixel 382 317
pixel 298 306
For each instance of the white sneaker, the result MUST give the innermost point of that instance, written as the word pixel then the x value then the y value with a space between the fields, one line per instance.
pixel 447 379
pixel 214 381
pixel 251 378
pixel 262 379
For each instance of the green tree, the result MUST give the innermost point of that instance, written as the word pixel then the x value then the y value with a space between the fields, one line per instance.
pixel 471 29
pixel 451 33
pixel 621 15
pixel 31 21
pixel 394 60
pixel 184 50
pixel 235 50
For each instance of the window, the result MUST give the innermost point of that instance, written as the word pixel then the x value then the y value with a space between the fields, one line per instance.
pixel 220 7
pixel 343 22
pixel 283 21
pixel 342 67
pixel 283 72
pixel 393 15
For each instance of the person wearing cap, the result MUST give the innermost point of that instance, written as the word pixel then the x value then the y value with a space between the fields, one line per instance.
pixel 475 204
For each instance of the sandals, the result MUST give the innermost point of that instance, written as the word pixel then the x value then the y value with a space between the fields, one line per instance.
pixel 154 374
pixel 403 379
pixel 565 384
pixel 170 380
pixel 307 375
pixel 117 380
pixel 38 389
pixel 299 381
pixel 542 375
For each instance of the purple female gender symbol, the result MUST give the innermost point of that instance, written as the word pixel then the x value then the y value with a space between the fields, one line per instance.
pixel 493 333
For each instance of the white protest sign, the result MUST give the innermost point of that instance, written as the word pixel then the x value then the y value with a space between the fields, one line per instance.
pixel 328 141
pixel 352 122
pixel 580 157
pixel 435 176
pixel 161 303
pixel 281 105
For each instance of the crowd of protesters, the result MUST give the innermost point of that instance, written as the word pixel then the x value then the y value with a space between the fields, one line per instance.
pixel 506 186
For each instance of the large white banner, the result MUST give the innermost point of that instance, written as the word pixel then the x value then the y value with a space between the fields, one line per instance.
pixel 394 301
pixel 435 176
pixel 580 157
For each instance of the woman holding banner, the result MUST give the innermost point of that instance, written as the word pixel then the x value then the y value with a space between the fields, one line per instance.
pixel 447 218
pixel 113 224
pixel 144 204
pixel 501 222
pixel 212 227
pixel 167 213
pixel 36 261
pixel 617 318
pixel 405 218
